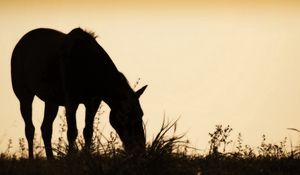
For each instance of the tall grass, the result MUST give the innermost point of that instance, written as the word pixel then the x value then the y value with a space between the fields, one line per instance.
pixel 168 153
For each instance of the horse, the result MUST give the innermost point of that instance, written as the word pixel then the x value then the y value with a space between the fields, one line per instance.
pixel 71 69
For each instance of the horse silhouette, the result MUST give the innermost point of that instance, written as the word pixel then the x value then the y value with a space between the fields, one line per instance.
pixel 67 70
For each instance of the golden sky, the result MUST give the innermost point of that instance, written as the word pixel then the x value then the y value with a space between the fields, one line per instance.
pixel 216 62
pixel 153 4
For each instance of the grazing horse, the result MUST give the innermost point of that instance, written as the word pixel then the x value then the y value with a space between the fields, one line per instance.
pixel 69 69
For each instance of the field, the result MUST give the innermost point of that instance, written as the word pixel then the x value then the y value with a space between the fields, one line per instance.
pixel 167 154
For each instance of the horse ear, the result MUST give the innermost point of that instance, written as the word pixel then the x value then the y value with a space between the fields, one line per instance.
pixel 139 92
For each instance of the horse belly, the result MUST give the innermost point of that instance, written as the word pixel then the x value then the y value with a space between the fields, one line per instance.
pixel 45 80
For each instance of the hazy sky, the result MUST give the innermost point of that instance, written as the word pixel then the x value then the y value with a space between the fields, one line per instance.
pixel 222 62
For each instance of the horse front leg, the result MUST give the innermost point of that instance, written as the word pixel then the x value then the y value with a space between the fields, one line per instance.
pixel 91 110
pixel 72 131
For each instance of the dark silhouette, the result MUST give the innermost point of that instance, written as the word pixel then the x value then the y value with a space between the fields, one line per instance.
pixel 69 69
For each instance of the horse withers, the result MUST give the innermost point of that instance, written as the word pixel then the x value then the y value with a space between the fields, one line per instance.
pixel 67 70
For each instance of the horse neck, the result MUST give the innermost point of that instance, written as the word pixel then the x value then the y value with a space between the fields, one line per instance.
pixel 116 92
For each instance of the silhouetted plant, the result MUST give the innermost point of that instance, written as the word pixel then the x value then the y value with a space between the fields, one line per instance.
pixel 162 143
pixel 22 148
pixel 218 139
pixel 8 154
pixel 272 150
pixel 167 153
pixel 295 151
pixel 39 150
pixel 61 146
pixel 239 146
pixel 248 152
pixel 241 150
pixel 101 145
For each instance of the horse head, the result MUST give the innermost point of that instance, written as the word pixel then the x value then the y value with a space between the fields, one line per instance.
pixel 126 118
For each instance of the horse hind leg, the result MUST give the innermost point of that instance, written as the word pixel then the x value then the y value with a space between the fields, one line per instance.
pixel 46 128
pixel 26 111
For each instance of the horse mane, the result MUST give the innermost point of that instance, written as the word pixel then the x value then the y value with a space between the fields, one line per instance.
pixel 91 33
pixel 83 32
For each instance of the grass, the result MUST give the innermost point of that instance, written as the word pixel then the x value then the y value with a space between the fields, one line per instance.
pixel 167 154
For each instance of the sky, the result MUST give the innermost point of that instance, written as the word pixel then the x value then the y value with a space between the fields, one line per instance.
pixel 219 62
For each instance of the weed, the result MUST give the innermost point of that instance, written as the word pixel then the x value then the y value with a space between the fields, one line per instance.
pixel 167 153
pixel 219 138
